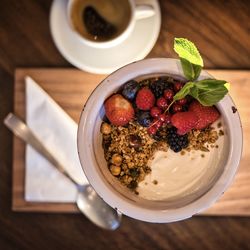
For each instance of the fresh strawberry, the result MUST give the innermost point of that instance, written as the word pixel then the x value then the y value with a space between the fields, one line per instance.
pixel 206 115
pixel 118 110
pixel 184 121
pixel 145 99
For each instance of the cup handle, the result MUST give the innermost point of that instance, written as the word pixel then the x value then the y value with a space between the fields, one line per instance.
pixel 143 11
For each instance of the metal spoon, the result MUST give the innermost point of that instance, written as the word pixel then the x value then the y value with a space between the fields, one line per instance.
pixel 88 201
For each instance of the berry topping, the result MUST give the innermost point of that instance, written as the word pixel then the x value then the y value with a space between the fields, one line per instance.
pixel 206 115
pixel 158 87
pixel 177 108
pixel 157 123
pixel 118 110
pixel 182 101
pixel 145 99
pixel 162 103
pixel 165 118
pixel 184 121
pixel 144 118
pixel 176 142
pixel 178 86
pixel 155 112
pixel 130 89
pixel 152 130
pixel 168 94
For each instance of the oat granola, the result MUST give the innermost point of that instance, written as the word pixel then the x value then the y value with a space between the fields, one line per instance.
pixel 128 151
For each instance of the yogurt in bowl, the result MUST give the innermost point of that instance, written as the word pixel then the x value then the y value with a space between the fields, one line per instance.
pixel 187 190
pixel 175 176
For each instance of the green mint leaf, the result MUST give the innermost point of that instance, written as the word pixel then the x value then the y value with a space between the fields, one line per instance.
pixel 187 50
pixel 194 92
pixel 191 71
pixel 210 83
pixel 184 91
pixel 210 91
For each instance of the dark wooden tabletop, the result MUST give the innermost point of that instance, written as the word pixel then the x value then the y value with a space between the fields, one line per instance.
pixel 221 31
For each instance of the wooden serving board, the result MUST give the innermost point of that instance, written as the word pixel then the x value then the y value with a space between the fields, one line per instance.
pixel 70 89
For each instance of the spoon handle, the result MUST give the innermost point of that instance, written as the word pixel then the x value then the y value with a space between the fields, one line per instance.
pixel 21 130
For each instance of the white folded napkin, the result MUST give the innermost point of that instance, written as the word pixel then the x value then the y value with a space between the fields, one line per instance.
pixel 58 132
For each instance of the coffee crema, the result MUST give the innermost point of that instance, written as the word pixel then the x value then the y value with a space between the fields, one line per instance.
pixel 101 21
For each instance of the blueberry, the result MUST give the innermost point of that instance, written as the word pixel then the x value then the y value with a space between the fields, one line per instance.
pixel 130 89
pixel 144 118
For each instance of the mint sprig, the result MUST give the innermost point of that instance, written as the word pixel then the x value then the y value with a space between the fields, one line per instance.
pixel 191 60
pixel 209 91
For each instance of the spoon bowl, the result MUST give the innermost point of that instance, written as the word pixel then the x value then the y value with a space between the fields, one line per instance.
pixel 99 212
pixel 88 201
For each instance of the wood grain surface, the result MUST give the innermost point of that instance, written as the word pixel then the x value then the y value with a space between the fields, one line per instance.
pixel 220 28
pixel 70 88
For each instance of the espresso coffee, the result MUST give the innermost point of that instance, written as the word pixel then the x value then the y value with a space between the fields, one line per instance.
pixel 98 20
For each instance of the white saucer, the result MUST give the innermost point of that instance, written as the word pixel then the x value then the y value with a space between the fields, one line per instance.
pixel 103 61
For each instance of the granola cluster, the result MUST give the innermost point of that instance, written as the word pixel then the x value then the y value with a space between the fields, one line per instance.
pixel 203 139
pixel 128 151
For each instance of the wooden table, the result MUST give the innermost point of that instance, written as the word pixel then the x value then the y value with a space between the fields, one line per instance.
pixel 221 30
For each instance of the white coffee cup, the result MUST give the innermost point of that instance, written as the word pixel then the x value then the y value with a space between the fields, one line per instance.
pixel 138 11
pixel 89 141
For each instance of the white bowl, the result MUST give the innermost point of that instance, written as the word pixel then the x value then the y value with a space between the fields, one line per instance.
pixel 91 154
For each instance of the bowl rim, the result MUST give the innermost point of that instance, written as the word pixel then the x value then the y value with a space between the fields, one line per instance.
pixel 156 215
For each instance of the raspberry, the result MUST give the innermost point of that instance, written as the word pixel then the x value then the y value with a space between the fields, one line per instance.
pixel 184 121
pixel 155 112
pixel 176 142
pixel 169 94
pixel 145 99
pixel 206 115
pixel 118 110
pixel 162 103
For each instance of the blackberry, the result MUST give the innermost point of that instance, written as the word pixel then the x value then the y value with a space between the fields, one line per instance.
pixel 144 118
pixel 176 142
pixel 159 86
